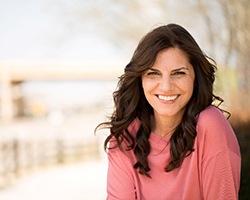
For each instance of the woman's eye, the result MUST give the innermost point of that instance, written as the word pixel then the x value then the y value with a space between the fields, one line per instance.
pixel 179 73
pixel 152 73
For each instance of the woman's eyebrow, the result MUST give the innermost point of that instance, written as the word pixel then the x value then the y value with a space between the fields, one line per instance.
pixel 174 70
pixel 179 69
pixel 153 69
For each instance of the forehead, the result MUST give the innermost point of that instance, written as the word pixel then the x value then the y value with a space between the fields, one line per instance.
pixel 171 58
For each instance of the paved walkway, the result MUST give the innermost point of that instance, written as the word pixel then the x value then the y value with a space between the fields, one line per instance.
pixel 82 181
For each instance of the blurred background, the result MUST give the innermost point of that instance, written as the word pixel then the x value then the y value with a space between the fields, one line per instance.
pixel 59 64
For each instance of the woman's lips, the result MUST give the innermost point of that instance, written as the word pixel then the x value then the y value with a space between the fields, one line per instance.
pixel 167 98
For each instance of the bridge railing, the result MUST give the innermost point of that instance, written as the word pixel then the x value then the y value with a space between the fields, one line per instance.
pixel 21 156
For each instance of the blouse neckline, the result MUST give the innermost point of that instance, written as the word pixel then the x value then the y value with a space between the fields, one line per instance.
pixel 159 140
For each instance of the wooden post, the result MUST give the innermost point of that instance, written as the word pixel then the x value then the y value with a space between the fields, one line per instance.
pixel 60 151
pixel 15 149
pixel 18 98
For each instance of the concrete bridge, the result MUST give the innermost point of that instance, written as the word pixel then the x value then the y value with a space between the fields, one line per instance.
pixel 13 74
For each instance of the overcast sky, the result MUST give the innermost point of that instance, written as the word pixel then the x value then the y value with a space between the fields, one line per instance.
pixel 34 30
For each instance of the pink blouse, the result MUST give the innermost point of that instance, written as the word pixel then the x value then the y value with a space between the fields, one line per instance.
pixel 211 172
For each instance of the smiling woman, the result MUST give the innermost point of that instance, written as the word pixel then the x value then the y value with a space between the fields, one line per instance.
pixel 168 88
pixel 166 139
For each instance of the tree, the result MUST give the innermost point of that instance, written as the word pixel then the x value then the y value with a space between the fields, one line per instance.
pixel 237 14
pixel 223 25
pixel 229 31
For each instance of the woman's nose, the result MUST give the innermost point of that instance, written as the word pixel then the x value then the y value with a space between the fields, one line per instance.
pixel 166 84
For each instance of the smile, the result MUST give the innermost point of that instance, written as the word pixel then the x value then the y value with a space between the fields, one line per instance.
pixel 167 98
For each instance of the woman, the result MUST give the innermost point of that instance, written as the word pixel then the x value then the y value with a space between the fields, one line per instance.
pixel 167 140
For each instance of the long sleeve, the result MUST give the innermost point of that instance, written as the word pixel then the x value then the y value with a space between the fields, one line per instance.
pixel 221 160
pixel 120 184
pixel 221 177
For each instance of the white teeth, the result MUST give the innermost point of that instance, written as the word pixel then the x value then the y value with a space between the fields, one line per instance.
pixel 167 98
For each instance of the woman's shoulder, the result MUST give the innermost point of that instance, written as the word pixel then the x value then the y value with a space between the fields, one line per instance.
pixel 134 127
pixel 214 129
pixel 211 116
pixel 125 138
pixel 215 134
pixel 213 125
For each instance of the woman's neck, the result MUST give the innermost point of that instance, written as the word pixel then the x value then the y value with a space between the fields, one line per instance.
pixel 164 126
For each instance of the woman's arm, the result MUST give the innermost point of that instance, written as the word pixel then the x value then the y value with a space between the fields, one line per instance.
pixel 221 176
pixel 120 184
pixel 221 160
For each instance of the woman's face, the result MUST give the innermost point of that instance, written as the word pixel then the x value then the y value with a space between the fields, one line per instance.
pixel 168 84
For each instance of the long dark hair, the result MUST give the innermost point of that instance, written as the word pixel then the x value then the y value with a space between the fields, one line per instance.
pixel 130 102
